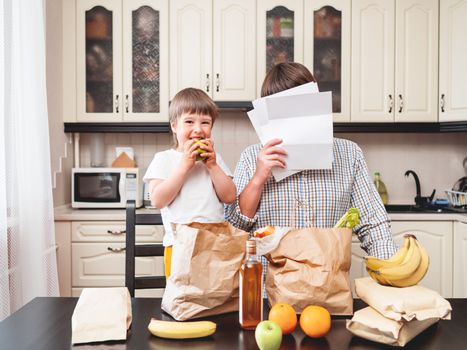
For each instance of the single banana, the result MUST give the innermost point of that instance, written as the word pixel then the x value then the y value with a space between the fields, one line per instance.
pixel 419 273
pixel 376 277
pixel 407 267
pixel 181 330
pixel 374 263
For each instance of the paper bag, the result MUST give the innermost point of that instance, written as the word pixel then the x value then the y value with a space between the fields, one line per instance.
pixel 370 324
pixel 311 267
pixel 204 276
pixel 415 302
pixel 101 314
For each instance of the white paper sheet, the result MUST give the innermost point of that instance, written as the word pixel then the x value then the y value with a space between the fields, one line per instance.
pixel 302 118
pixel 304 123
pixel 259 104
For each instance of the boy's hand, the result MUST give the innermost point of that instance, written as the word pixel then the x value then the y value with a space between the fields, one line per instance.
pixel 269 157
pixel 189 154
pixel 209 154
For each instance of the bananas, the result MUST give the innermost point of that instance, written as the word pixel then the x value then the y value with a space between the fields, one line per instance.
pixel 181 330
pixel 406 268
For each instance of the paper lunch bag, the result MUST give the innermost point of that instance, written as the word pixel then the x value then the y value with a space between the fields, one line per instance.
pixel 204 277
pixel 311 267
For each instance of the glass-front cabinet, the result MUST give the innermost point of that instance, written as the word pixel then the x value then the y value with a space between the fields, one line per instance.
pixel 122 60
pixel 327 50
pixel 280 35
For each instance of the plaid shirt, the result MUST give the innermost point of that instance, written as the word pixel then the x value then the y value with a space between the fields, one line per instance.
pixel 318 198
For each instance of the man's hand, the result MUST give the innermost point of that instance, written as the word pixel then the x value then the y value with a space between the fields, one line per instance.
pixel 269 157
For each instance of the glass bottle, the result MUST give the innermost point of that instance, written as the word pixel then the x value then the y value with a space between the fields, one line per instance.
pixel 251 288
pixel 381 187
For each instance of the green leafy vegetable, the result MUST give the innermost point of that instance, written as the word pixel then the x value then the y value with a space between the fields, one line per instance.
pixel 349 220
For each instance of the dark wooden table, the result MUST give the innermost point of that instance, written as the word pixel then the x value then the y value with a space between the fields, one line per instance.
pixel 45 324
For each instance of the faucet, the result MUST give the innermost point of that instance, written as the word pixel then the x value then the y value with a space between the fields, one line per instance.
pixel 419 200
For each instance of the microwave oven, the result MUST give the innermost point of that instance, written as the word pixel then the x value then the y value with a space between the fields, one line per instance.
pixel 105 187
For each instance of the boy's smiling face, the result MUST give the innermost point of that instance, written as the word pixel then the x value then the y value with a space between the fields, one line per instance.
pixel 191 126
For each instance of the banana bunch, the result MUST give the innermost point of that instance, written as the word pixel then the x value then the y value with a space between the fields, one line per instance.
pixel 181 330
pixel 404 269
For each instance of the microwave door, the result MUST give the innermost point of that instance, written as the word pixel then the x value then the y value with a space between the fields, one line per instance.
pixel 98 187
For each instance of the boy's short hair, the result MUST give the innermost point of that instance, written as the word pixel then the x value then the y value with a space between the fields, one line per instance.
pixel 285 76
pixel 192 101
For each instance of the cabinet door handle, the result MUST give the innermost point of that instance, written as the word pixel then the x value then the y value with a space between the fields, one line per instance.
pixel 116 103
pixel 217 82
pixel 207 82
pixel 442 103
pixel 127 105
pixel 116 233
pixel 401 103
pixel 391 103
pixel 116 250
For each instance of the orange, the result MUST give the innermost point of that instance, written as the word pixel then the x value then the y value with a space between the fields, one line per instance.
pixel 284 315
pixel 315 321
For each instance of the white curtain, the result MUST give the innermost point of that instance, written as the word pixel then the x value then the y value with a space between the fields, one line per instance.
pixel 27 242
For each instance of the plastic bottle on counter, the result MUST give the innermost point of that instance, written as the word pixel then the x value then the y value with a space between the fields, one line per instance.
pixel 251 289
pixel 381 187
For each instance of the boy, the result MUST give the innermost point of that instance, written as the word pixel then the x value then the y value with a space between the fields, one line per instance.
pixel 187 190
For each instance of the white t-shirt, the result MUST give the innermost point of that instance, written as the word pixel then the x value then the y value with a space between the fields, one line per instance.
pixel 197 200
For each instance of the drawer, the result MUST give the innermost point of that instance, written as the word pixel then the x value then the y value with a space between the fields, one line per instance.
pixel 95 265
pixel 113 231
pixel 139 293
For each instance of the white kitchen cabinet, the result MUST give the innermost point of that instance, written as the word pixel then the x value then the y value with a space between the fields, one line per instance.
pixel 327 50
pixel 121 60
pixel 452 61
pixel 394 60
pixel 91 254
pixel 280 35
pixel 460 260
pixel 435 236
pixel 212 47
pixel 103 265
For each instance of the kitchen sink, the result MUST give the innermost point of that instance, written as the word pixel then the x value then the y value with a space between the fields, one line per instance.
pixel 430 208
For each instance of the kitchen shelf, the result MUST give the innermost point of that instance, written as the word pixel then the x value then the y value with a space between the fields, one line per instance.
pixel 338 127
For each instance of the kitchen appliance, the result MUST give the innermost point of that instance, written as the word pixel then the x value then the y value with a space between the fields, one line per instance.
pixel 105 187
pixel 458 196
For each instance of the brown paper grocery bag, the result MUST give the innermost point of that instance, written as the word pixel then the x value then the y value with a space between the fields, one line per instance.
pixel 370 324
pixel 311 267
pixel 204 275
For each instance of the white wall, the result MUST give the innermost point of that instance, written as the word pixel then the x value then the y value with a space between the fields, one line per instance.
pixel 60 149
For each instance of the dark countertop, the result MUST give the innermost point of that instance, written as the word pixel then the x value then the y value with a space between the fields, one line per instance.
pixel 45 324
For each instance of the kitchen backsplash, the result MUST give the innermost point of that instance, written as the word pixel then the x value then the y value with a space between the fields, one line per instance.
pixel 436 158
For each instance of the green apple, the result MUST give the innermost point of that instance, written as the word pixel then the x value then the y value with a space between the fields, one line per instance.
pixel 268 335
pixel 199 150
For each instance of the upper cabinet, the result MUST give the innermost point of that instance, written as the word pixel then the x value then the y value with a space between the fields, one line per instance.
pixel 327 50
pixel 280 35
pixel 394 60
pixel 452 61
pixel 212 47
pixel 313 32
pixel 121 60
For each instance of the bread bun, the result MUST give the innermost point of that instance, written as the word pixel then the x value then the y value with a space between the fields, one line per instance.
pixel 264 231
